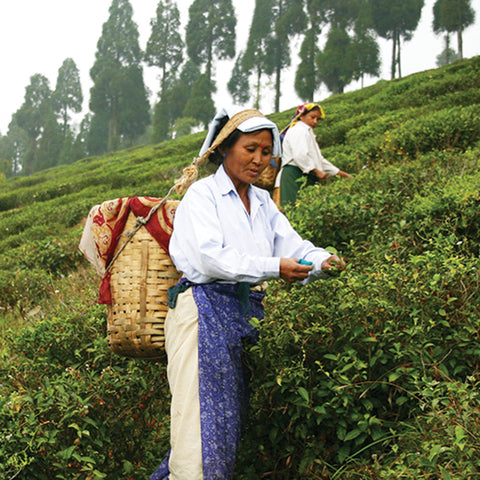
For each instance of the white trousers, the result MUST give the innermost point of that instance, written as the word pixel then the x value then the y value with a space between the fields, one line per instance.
pixel 181 345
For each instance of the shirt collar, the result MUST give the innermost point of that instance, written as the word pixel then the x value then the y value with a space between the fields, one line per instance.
pixel 304 125
pixel 226 186
pixel 224 182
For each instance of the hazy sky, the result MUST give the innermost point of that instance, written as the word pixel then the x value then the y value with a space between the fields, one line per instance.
pixel 36 36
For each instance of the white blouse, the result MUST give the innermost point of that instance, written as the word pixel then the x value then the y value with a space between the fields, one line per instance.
pixel 300 148
pixel 215 239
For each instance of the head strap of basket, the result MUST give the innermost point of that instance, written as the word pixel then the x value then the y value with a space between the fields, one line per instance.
pixel 190 173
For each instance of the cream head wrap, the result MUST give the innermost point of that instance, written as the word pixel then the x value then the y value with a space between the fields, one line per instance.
pixel 247 121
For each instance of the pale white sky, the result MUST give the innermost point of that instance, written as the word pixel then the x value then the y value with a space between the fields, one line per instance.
pixel 37 36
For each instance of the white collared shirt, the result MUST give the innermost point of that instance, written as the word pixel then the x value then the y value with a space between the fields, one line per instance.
pixel 300 149
pixel 215 239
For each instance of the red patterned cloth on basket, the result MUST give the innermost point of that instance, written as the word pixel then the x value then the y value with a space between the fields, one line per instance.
pixel 105 224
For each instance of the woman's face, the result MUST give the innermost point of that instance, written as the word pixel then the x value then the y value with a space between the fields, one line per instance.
pixel 248 157
pixel 311 118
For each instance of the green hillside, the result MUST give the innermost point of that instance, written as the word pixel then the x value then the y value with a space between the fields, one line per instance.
pixel 373 374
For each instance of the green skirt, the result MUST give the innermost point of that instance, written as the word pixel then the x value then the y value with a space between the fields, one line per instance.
pixel 290 182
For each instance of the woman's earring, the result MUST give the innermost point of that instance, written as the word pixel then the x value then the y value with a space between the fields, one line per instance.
pixel 224 155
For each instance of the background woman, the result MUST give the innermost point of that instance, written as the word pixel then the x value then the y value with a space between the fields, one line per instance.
pixel 301 154
pixel 228 239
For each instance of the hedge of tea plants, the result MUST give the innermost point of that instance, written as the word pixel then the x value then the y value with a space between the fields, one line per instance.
pixel 372 373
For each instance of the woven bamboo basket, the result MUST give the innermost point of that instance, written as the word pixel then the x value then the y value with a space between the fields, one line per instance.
pixel 267 178
pixel 140 278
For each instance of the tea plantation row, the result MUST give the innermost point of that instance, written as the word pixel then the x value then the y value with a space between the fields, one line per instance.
pixel 371 374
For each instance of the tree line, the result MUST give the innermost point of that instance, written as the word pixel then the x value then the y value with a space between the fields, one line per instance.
pixel 41 135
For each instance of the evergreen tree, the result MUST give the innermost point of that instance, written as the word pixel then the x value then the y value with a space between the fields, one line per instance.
pixel 256 60
pixel 448 55
pixel 165 45
pixel 453 16
pixel 118 98
pixel 50 143
pixel 288 18
pixel 13 148
pixel 68 92
pixel 394 20
pixel 165 50
pixel 80 145
pixel 336 63
pixel 339 14
pixel 238 85
pixel 211 33
pixel 342 13
pixel 37 118
pixel 307 72
pixel 200 104
pixel 172 104
pixel 366 51
pixel 350 51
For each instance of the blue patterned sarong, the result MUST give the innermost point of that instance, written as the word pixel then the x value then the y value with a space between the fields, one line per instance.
pixel 223 327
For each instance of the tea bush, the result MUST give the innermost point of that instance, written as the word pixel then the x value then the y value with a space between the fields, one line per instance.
pixel 71 410
pixel 450 212
pixel 372 373
pixel 342 364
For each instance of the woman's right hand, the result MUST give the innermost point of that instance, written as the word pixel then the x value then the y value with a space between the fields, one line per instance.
pixel 291 270
pixel 321 175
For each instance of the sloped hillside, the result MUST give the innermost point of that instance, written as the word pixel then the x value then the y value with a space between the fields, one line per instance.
pixel 370 374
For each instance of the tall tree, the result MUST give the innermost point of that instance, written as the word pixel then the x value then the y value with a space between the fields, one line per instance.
pixel 165 45
pixel 350 51
pixel 453 16
pixel 37 118
pixel 366 50
pixel 394 20
pixel 118 98
pixel 13 148
pixel 336 64
pixel 68 94
pixel 339 14
pixel 200 104
pixel 288 18
pixel 211 33
pixel 256 61
pixel 172 104
pixel 238 85
pixel 307 72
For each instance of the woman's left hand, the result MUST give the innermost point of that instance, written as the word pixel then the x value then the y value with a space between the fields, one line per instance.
pixel 333 262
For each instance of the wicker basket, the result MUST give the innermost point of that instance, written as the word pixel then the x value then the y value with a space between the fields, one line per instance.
pixel 140 278
pixel 266 180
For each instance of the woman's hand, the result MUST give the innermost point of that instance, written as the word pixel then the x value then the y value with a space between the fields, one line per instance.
pixel 291 270
pixel 334 262
pixel 343 174
pixel 320 174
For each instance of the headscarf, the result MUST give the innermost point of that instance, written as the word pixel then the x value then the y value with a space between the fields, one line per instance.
pixel 302 110
pixel 247 121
